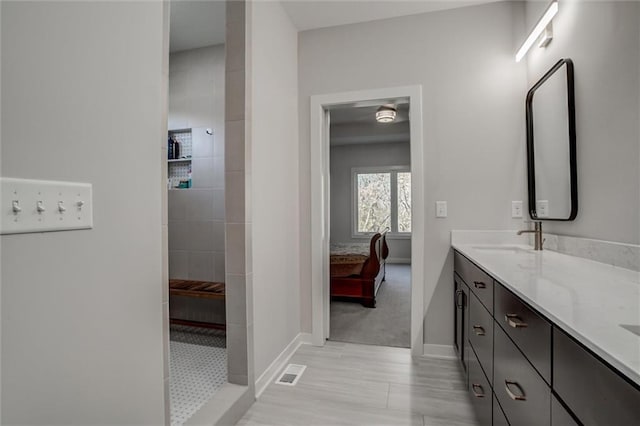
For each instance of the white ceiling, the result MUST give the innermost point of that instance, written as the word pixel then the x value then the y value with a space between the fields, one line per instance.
pixel 199 23
pixel 196 23
pixel 311 14
pixel 352 115
pixel 353 125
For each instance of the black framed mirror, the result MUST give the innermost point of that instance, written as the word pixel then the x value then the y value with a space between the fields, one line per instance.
pixel 551 145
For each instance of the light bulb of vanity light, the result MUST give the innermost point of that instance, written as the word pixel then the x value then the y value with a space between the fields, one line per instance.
pixel 385 114
pixel 548 15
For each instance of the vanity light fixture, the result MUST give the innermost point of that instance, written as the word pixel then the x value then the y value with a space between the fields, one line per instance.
pixel 540 27
pixel 385 114
pixel 546 36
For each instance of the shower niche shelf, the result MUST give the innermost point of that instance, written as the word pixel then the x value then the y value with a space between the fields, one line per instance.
pixel 179 169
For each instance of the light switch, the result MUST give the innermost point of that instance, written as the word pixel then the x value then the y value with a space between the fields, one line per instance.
pixel 441 209
pixel 40 206
pixel 516 209
pixel 15 206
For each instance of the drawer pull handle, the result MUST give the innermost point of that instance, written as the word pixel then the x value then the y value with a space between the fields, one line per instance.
pixel 459 299
pixel 479 284
pixel 515 397
pixel 477 394
pixel 514 321
pixel 479 330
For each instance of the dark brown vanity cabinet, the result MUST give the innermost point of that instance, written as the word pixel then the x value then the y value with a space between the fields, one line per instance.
pixel 528 330
pixel 595 393
pixel 521 391
pixel 499 419
pixel 481 335
pixel 559 415
pixel 523 370
pixel 480 390
pixel 461 320
pixel 478 281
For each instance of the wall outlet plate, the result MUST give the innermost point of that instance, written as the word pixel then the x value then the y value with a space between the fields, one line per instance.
pixel 516 209
pixel 542 208
pixel 30 206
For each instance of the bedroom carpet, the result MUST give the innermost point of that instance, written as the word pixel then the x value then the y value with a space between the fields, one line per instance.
pixel 388 324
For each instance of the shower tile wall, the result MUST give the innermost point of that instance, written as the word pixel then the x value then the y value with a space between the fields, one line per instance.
pixel 196 215
pixel 196 232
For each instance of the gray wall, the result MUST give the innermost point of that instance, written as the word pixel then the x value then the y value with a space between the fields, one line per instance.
pixel 474 145
pixel 342 159
pixel 196 215
pixel 82 311
pixel 272 179
pixel 603 40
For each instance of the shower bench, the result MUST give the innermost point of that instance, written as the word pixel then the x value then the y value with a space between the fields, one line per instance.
pixel 199 290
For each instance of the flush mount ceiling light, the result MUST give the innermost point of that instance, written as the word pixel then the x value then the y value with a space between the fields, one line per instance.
pixel 385 114
pixel 543 23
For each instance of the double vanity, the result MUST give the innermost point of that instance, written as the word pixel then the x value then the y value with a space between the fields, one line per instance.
pixel 544 337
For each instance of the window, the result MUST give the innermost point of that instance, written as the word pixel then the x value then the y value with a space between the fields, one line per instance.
pixel 382 199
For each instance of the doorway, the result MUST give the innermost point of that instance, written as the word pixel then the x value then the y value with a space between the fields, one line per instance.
pixel 196 209
pixel 321 107
pixel 370 198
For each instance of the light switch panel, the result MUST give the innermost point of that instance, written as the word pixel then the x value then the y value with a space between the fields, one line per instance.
pixel 40 206
pixel 441 209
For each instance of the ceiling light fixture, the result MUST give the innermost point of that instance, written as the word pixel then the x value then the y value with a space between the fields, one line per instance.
pixel 385 114
pixel 548 15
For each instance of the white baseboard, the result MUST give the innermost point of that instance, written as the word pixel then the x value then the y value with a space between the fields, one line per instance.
pixel 439 351
pixel 280 362
pixel 402 260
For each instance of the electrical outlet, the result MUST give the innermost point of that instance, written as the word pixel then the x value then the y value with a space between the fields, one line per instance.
pixel 441 209
pixel 542 208
pixel 516 209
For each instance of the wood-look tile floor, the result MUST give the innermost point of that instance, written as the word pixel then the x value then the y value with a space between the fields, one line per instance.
pixel 350 384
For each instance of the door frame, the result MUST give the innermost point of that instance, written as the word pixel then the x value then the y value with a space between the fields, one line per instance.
pixel 319 127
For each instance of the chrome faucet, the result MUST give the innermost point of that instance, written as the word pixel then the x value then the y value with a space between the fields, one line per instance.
pixel 537 231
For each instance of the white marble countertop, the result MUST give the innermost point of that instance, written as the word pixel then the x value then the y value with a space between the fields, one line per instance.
pixel 587 299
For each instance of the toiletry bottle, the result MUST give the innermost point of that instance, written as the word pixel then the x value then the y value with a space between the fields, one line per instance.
pixel 189 184
pixel 176 150
pixel 170 148
pixel 174 145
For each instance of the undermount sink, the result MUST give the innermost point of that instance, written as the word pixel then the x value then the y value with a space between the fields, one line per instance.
pixel 502 249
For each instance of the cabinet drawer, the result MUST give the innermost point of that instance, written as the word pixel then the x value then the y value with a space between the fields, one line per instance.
pixel 523 395
pixel 528 330
pixel 479 391
pixel 499 419
pixel 481 334
pixel 480 283
pixel 559 415
pixel 591 389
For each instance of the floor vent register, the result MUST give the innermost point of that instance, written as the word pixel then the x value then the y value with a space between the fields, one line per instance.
pixel 291 375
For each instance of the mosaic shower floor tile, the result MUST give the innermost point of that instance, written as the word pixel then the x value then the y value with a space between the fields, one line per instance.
pixel 198 368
